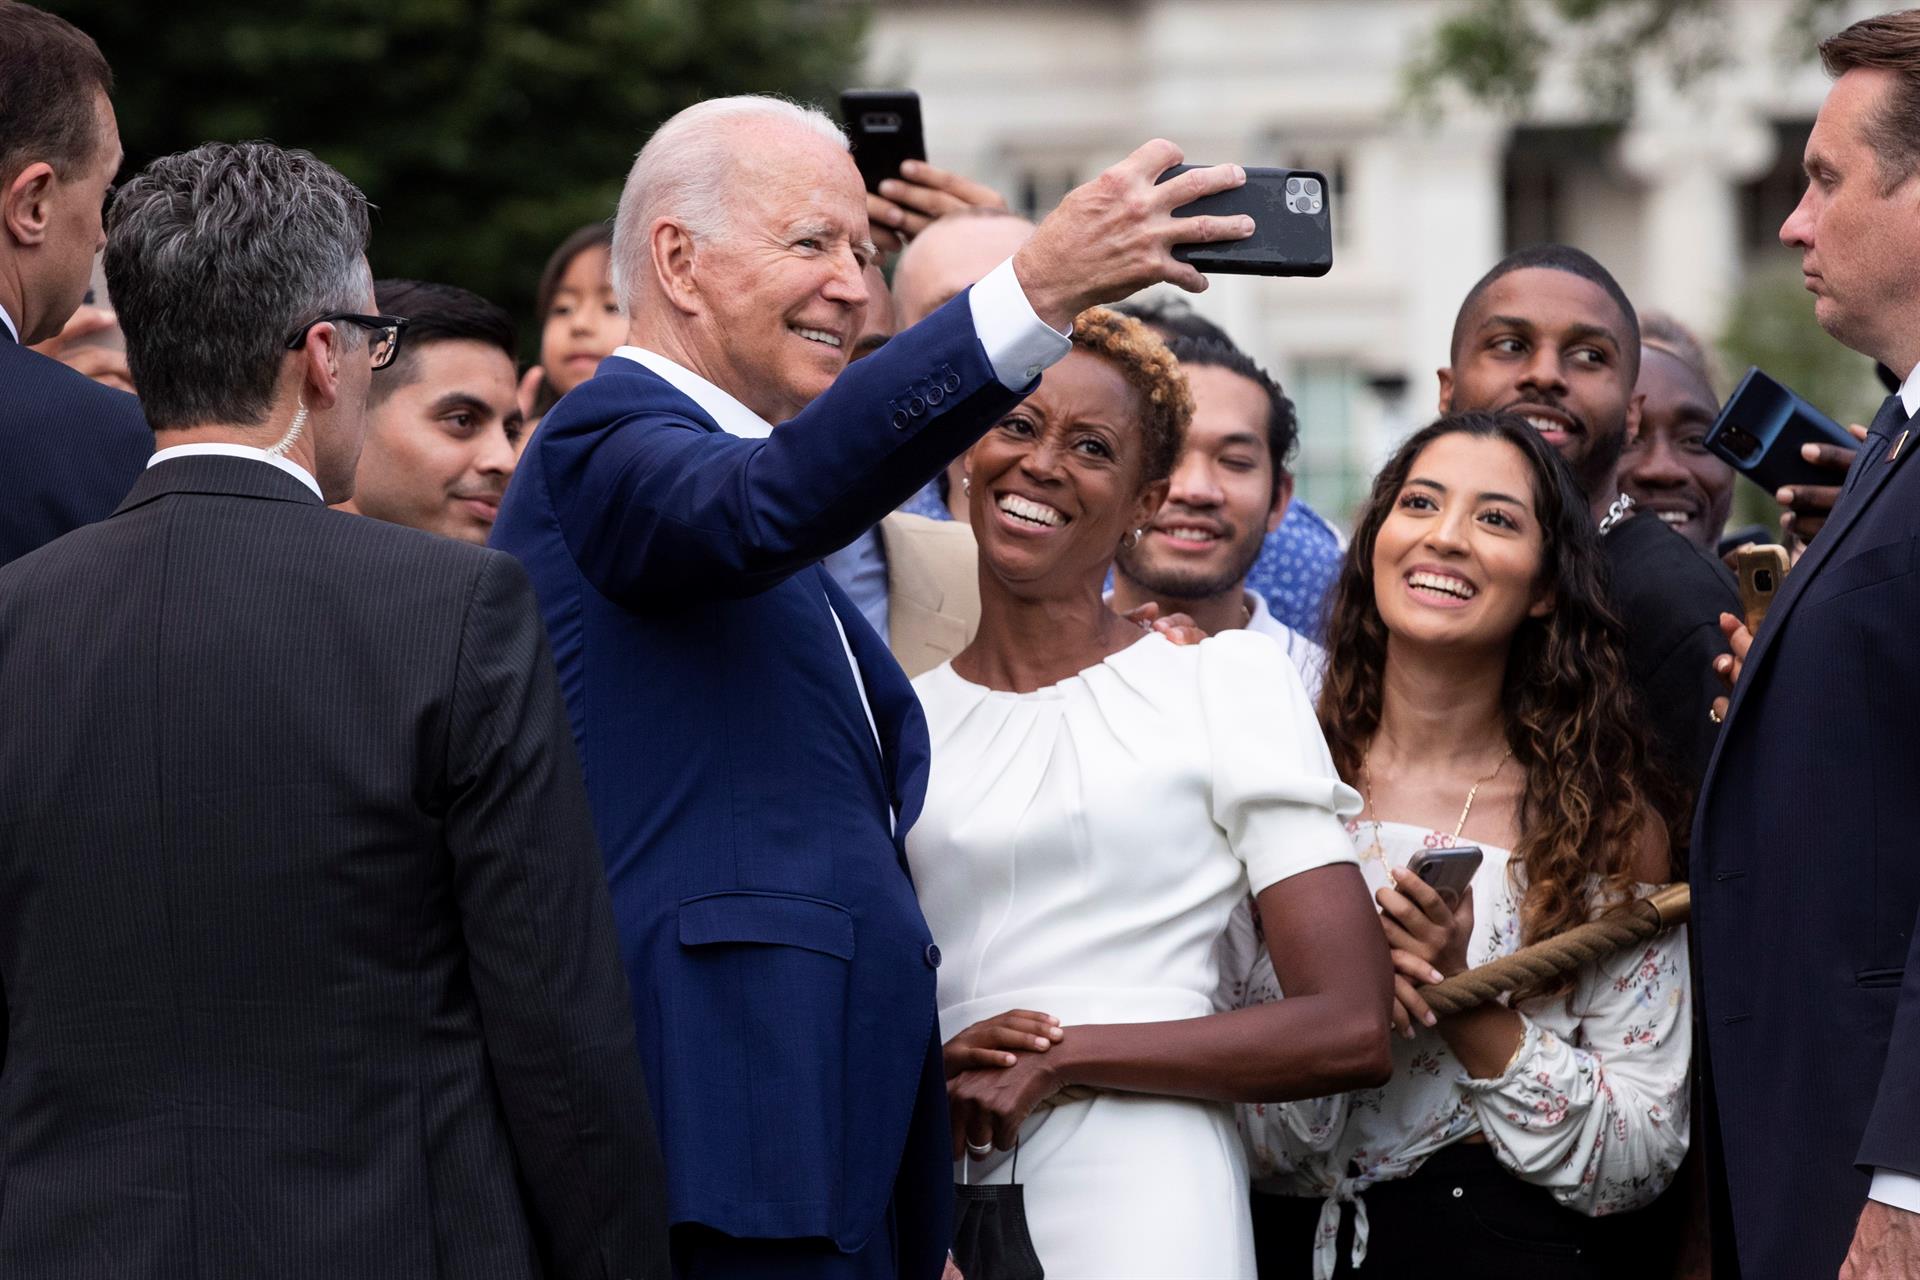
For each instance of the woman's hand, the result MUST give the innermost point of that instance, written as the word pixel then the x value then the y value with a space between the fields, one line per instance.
pixel 1426 940
pixel 988 1107
pixel 993 1044
pixel 1177 627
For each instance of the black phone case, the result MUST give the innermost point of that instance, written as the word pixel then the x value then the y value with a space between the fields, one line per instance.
pixel 1285 242
pixel 884 128
pixel 1777 422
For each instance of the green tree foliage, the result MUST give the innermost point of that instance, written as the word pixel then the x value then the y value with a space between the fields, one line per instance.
pixel 1494 51
pixel 485 130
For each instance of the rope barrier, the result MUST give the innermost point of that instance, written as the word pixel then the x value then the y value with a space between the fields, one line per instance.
pixel 1539 964
pixel 1625 926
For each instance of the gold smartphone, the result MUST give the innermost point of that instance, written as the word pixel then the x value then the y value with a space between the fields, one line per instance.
pixel 1763 570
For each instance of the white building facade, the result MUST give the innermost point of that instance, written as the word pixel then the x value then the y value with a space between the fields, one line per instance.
pixel 1679 202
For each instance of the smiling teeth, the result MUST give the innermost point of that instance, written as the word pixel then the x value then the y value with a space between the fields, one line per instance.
pixel 1198 537
pixel 1456 587
pixel 1020 508
pixel 1674 519
pixel 819 335
pixel 1546 424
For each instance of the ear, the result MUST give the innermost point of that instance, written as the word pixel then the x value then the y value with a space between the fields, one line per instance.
pixel 1147 505
pixel 319 366
pixel 1635 408
pixel 1445 374
pixel 27 210
pixel 1544 605
pixel 1282 499
pixel 671 248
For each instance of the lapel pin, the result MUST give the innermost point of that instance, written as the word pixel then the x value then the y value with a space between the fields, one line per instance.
pixel 1894 453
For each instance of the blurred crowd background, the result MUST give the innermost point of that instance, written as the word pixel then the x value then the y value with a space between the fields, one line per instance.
pixel 1663 136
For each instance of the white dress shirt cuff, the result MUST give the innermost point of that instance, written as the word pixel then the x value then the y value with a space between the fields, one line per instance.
pixel 1901 1190
pixel 1020 345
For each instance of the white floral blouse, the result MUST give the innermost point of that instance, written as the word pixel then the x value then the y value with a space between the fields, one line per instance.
pixel 1593 1106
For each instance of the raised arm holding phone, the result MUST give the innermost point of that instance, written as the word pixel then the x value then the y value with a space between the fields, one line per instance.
pixel 674 537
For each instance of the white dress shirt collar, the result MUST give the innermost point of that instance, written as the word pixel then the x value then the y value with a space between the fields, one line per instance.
pixel 731 416
pixel 1910 392
pixel 221 449
pixel 7 320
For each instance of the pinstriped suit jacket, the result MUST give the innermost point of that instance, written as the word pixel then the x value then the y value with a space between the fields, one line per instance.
pixel 308 958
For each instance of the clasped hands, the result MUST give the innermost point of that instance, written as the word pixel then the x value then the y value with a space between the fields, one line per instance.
pixel 997 1073
pixel 1427 941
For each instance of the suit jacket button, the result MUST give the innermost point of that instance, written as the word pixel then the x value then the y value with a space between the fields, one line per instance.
pixel 900 419
pixel 916 406
pixel 953 383
pixel 933 956
pixel 935 395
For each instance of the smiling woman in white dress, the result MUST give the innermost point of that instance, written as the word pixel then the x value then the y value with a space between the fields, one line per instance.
pixel 1099 802
pixel 1478 696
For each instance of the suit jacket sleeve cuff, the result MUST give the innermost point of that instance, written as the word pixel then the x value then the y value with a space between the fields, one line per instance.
pixel 1019 344
pixel 1901 1190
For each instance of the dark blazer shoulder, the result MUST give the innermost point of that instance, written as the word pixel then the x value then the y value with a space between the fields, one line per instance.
pixel 33 380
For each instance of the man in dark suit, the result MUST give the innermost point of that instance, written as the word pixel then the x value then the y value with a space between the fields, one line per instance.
pixel 306 947
pixel 1807 883
pixel 753 754
pixel 72 447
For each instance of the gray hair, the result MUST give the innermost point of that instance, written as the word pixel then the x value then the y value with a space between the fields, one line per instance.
pixel 215 256
pixel 685 171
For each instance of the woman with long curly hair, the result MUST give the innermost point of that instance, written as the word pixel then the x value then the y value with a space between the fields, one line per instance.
pixel 1100 802
pixel 1477 695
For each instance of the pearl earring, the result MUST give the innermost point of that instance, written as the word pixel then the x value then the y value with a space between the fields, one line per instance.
pixel 966 484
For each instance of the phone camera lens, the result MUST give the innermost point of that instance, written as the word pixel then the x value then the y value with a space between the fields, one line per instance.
pixel 1763 580
pixel 1312 187
pixel 1293 186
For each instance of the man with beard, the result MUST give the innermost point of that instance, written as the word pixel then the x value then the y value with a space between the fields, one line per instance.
pixel 1548 334
pixel 1230 490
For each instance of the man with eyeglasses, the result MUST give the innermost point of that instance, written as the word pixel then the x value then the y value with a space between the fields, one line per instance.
pixel 308 958
pixel 72 447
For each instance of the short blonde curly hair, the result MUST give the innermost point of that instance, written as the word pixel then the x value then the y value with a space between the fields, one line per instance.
pixel 1150 369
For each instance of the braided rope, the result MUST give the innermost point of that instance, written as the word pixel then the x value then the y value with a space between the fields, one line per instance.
pixel 1623 927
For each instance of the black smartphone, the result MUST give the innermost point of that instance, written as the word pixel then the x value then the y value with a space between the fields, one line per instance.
pixel 1292 211
pixel 884 126
pixel 1761 428
pixel 1447 872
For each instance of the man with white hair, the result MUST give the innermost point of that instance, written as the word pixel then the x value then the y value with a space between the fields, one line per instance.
pixel 753 754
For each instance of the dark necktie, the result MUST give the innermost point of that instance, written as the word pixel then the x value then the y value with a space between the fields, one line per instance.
pixel 1887 424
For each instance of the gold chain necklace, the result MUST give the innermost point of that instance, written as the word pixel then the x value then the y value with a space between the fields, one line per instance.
pixel 1373 815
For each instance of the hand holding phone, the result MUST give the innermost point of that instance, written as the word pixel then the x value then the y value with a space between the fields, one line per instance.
pixel 1428 918
pixel 1448 872
pixel 922 194
pixel 1292 225
pixel 1804 508
pixel 1115 235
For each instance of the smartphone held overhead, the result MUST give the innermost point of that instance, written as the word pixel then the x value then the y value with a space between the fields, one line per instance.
pixel 1292 212
pixel 883 127
pixel 1761 429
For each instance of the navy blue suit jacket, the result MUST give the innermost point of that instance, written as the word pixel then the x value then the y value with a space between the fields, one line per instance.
pixel 1806 886
pixel 72 448
pixel 783 976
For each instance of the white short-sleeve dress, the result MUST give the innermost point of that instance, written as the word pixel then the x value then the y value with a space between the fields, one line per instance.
pixel 1081 850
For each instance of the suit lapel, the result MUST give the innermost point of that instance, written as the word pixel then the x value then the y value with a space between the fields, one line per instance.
pixel 902 754
pixel 1877 471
